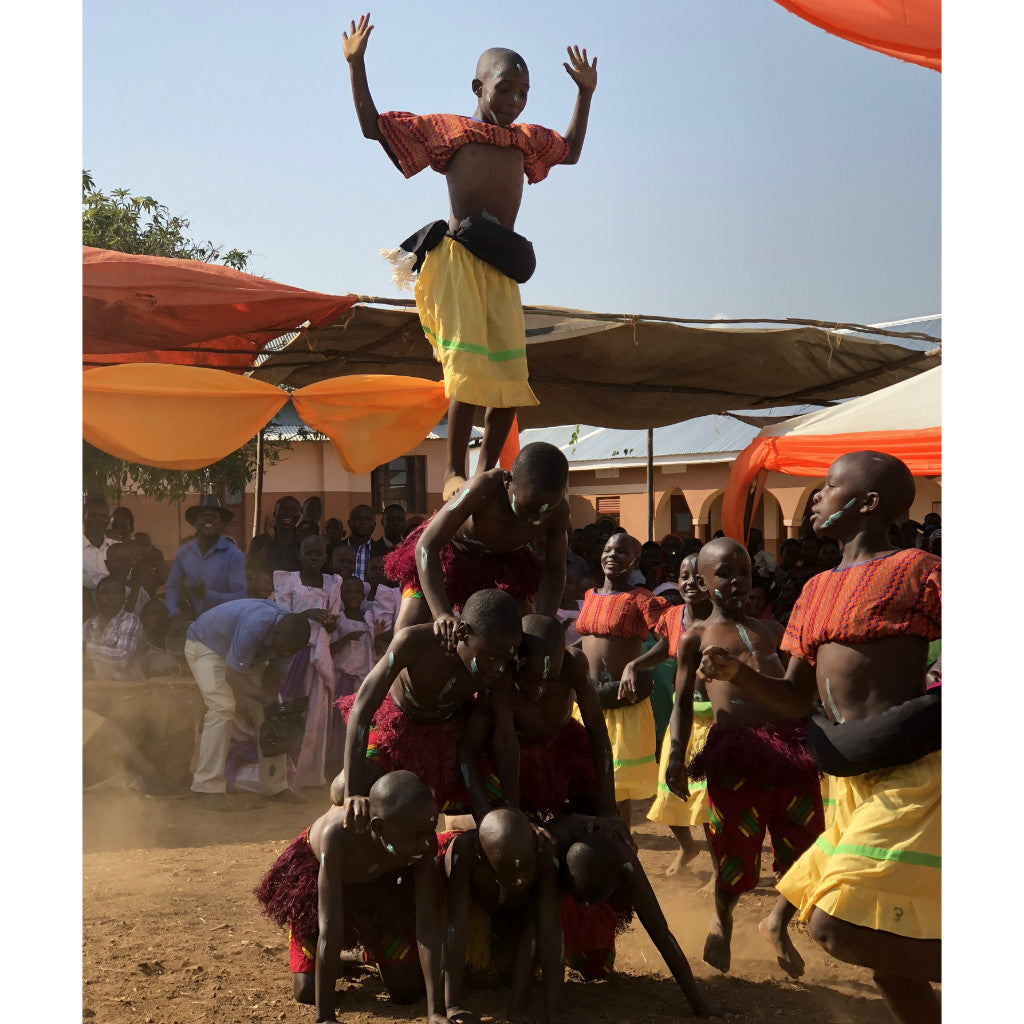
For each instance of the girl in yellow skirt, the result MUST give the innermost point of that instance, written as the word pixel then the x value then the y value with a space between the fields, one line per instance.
pixel 613 624
pixel 668 809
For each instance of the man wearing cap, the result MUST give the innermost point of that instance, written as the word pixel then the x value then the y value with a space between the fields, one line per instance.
pixel 209 569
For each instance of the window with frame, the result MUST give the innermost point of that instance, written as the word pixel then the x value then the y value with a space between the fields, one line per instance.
pixel 402 481
pixel 608 508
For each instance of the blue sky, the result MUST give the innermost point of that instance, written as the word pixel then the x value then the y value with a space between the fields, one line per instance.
pixel 739 161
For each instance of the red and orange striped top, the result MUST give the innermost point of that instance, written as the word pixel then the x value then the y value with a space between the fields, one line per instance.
pixel 670 626
pixel 631 614
pixel 431 140
pixel 895 595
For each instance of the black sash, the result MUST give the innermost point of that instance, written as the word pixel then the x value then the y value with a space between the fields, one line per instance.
pixel 485 238
pixel 901 735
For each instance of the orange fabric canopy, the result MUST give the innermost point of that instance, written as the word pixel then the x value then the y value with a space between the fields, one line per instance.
pixel 151 309
pixel 902 420
pixel 186 417
pixel 908 29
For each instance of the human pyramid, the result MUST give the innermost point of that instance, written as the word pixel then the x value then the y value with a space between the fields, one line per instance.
pixel 477 710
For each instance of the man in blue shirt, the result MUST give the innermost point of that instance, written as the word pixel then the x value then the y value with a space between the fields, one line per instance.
pixel 209 569
pixel 238 653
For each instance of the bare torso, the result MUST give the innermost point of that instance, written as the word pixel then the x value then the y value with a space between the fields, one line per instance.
pixel 861 680
pixel 442 682
pixel 536 721
pixel 495 528
pixel 485 178
pixel 731 707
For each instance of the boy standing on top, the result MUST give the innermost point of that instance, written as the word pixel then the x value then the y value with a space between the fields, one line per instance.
pixel 870 886
pixel 470 266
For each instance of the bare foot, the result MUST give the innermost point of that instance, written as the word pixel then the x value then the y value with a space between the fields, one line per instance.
pixel 716 945
pixel 709 888
pixel 460 1015
pixel 787 955
pixel 682 859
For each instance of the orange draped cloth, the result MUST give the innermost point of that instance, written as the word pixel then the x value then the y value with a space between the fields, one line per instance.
pixel 186 417
pixel 908 29
pixel 812 454
pixel 151 309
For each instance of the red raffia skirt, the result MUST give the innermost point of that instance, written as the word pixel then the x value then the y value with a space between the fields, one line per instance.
pixel 556 770
pixel 770 756
pixel 426 750
pixel 516 572
pixel 380 915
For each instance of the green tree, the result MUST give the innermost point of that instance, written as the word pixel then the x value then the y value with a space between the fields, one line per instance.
pixel 141 225
pixel 118 221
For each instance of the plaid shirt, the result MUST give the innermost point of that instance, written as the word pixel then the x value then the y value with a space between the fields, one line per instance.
pixel 114 648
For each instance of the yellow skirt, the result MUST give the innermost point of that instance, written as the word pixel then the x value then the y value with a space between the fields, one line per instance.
pixel 879 864
pixel 473 316
pixel 634 742
pixel 827 802
pixel 667 808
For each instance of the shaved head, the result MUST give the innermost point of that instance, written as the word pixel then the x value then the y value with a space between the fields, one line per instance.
pixel 884 474
pixel 399 793
pixel 506 838
pixel 497 59
pixel 715 549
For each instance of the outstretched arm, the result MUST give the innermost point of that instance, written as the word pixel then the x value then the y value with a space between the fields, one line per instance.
pixel 552 580
pixel 470 747
pixel 681 721
pixel 597 736
pixel 369 697
pixel 354 49
pixel 584 75
pixel 428 937
pixel 330 914
pixel 651 916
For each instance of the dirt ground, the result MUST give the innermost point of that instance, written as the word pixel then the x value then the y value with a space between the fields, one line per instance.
pixel 173 935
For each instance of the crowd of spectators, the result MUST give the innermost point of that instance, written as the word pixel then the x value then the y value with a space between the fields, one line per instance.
pixel 141 610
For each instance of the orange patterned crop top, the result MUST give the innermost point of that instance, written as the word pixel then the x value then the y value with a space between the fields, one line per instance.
pixel 895 595
pixel 670 626
pixel 631 614
pixel 431 140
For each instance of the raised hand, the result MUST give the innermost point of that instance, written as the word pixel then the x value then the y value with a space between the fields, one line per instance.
pixel 584 74
pixel 354 46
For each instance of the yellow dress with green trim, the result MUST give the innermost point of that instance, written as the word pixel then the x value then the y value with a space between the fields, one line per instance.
pixel 472 315
pixel 879 864
pixel 667 808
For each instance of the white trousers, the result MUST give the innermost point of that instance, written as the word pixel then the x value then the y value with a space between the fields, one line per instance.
pixel 209 670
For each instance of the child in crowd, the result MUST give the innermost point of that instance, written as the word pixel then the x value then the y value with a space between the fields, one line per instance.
pixel 411 709
pixel 343 561
pixel 613 623
pixel 157 659
pixel 870 887
pixel 668 809
pixel 311 673
pixel 334 889
pixel 480 539
pixel 504 866
pixel 111 638
pixel 470 267
pixel 760 778
pixel 595 867
pixel 560 760
pixel 382 601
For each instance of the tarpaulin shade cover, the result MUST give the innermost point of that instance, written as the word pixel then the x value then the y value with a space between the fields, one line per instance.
pixel 186 417
pixel 628 372
pixel 902 420
pixel 908 29
pixel 151 309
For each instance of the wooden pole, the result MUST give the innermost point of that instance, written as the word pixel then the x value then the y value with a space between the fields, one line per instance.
pixel 650 483
pixel 257 514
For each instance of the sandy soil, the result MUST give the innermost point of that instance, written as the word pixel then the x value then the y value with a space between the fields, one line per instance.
pixel 173 935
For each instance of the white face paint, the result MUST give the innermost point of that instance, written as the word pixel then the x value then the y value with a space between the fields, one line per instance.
pixel 547 667
pixel 544 507
pixel 389 848
pixel 472 667
pixel 423 558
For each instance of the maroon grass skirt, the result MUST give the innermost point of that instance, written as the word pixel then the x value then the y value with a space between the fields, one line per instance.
pixel 770 756
pixel 516 572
